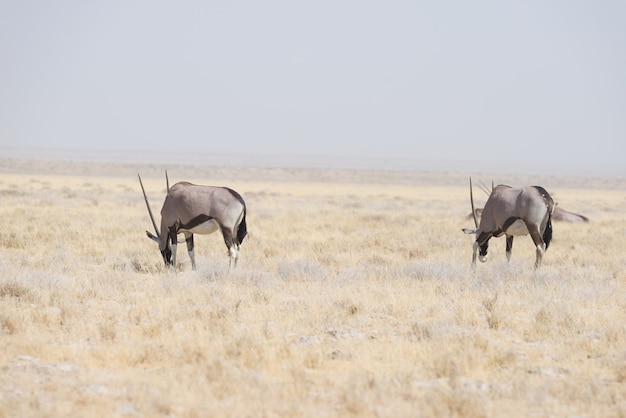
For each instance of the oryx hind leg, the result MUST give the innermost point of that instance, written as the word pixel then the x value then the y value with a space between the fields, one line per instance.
pixel 509 247
pixel 539 244
pixel 189 241
pixel 234 256
pixel 232 245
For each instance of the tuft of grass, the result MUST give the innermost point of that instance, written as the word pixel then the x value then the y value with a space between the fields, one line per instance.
pixel 492 314
pixel 14 289
pixel 12 240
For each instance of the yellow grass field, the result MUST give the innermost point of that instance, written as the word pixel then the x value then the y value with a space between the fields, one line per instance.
pixel 353 297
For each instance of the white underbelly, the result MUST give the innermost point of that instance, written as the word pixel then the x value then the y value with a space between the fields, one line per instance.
pixel 207 227
pixel 517 228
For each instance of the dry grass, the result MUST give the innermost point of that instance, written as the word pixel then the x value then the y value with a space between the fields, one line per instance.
pixel 352 297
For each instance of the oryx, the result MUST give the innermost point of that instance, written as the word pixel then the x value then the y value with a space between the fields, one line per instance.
pixel 513 212
pixel 193 209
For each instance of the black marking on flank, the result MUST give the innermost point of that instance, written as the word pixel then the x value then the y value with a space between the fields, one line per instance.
pixel 509 222
pixel 200 219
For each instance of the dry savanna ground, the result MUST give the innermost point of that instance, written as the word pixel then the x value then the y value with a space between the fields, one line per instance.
pixel 353 297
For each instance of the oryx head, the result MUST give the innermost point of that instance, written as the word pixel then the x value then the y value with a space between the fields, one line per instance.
pixel 164 244
pixel 482 247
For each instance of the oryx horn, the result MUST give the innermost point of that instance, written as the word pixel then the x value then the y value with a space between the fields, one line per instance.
pixel 156 229
pixel 472 200
pixel 486 189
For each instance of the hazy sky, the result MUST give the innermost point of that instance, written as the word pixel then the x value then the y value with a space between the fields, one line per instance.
pixel 480 81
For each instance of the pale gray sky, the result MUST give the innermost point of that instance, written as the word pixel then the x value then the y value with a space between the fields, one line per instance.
pixel 484 81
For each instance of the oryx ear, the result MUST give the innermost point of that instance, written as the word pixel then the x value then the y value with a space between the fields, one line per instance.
pixel 469 231
pixel 152 237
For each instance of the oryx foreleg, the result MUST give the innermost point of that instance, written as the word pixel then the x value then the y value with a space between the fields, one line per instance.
pixel 509 247
pixel 189 241
pixel 173 244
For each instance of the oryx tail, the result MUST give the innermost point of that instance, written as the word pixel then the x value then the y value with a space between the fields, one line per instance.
pixel 547 231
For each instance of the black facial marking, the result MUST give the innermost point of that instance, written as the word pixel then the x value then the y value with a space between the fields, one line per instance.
pixel 167 256
pixel 483 243
pixel 171 240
